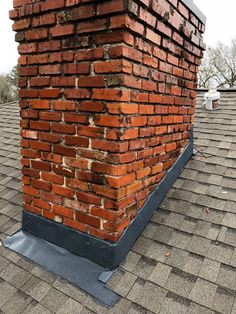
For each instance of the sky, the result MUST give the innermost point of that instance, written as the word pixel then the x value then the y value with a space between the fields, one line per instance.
pixel 220 27
pixel 220 24
pixel 8 47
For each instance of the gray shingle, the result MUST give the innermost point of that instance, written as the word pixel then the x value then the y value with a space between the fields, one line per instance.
pixel 15 275
pixel 148 295
pixel 188 224
pixel 193 264
pixel 144 267
pixel 203 292
pixel 137 309
pixel 70 290
pixel 44 275
pixel 223 301
pixel 54 300
pixel 199 245
pixel 7 291
pixel 198 309
pixel 209 270
pixel 17 303
pixel 177 257
pixel 36 288
pixel 229 220
pixel 227 277
pixel 121 282
pixel 180 282
pixel 37 309
pixel 123 306
pixel 131 261
pixel 179 239
pixel 70 307
pixel 220 252
pixel 174 304
pixel 160 274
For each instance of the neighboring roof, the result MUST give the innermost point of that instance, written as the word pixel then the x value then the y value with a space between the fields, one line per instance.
pixel 184 261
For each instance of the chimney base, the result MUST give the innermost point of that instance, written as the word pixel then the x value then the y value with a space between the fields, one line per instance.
pixel 104 253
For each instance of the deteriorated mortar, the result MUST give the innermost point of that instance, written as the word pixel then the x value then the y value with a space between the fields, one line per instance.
pixel 107 97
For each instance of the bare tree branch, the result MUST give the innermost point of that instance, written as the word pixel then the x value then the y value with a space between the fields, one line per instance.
pixel 219 65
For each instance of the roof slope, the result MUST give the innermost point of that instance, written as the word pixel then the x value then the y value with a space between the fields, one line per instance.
pixel 184 261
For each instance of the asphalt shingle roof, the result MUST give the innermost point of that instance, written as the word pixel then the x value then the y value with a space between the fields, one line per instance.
pixel 184 261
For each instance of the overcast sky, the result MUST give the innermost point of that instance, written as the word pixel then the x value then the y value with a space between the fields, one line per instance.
pixel 220 27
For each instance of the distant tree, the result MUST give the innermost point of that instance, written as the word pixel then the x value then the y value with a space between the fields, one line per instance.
pixel 207 72
pixel 9 86
pixel 5 90
pixel 219 65
pixel 12 76
pixel 12 79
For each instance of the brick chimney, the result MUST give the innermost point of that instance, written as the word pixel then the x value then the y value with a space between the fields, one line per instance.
pixel 107 98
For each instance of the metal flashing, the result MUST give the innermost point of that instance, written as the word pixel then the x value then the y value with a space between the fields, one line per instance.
pixel 76 269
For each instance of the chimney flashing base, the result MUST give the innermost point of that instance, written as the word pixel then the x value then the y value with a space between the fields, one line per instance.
pixel 75 269
pixel 105 253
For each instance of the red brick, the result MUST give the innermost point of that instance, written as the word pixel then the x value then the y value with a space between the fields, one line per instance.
pixel 124 51
pixel 91 26
pixel 62 81
pixel 40 184
pixel 77 93
pixel 76 141
pixel 29 134
pixel 56 159
pixel 62 30
pixel 76 118
pixel 41 204
pixel 91 81
pixel 88 198
pixel 50 69
pixel 39 104
pixel 124 21
pixel 51 138
pixel 50 93
pixel 41 165
pixel 63 128
pixel 27 48
pixel 36 34
pixel 52 178
pixel 40 81
pixel 90 54
pixel 50 116
pixel 75 224
pixel 64 105
pixel 60 190
pixel 28 71
pixel 113 66
pixel 76 68
pixel 65 151
pixel 91 106
pixel 21 24
pixel 40 146
pixel 63 211
pixel 152 36
pixel 111 7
